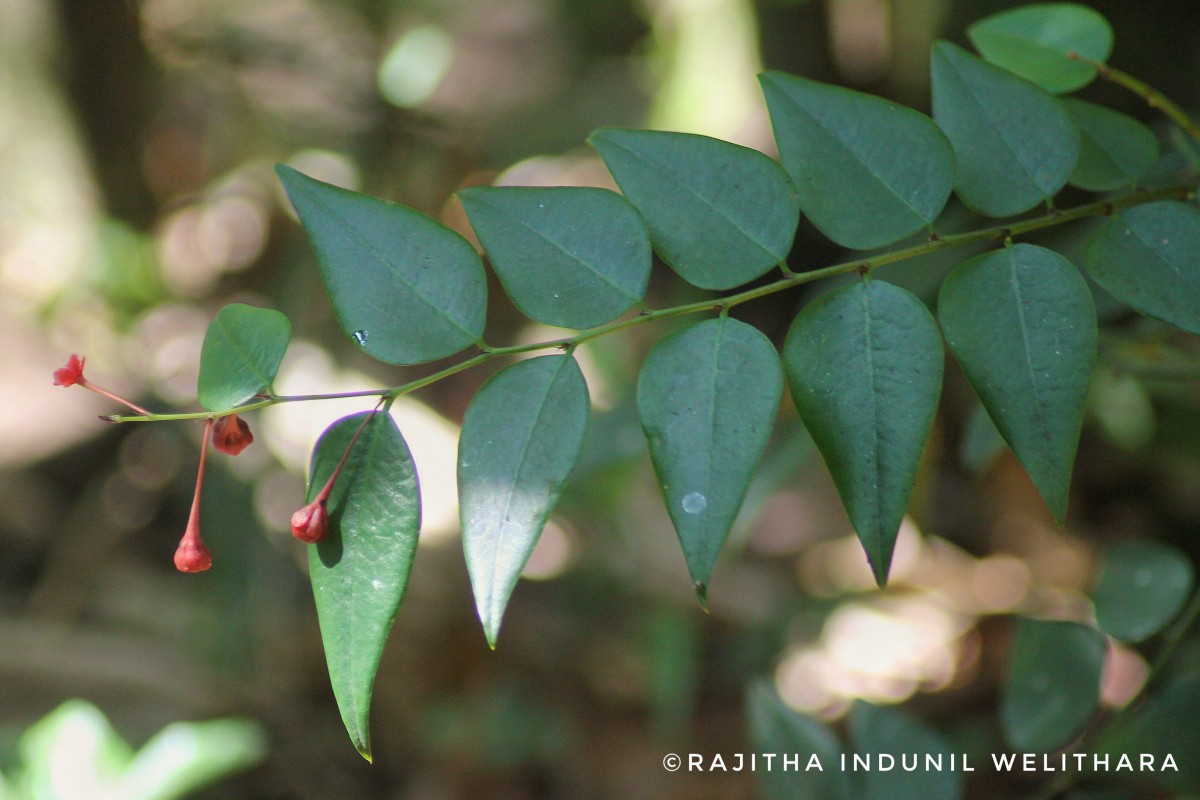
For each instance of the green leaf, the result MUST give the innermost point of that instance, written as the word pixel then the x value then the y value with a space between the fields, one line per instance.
pixel 1021 322
pixel 1148 257
pixel 521 437
pixel 875 730
pixel 186 756
pixel 1053 685
pixel 359 570
pixel 240 356
pixel 1164 726
pixel 719 214
pixel 864 365
pixel 72 747
pixel 707 396
pixel 1015 144
pixel 1143 587
pixel 777 729
pixel 567 255
pixel 403 286
pixel 1115 149
pixel 868 172
pixel 1035 41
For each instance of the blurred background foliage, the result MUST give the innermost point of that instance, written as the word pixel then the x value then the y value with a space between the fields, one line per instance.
pixel 137 198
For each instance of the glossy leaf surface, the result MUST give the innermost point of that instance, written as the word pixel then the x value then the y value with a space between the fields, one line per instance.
pixel 1115 149
pixel 360 569
pixel 876 730
pixel 868 172
pixel 1035 41
pixel 1021 322
pixel 865 368
pixel 707 397
pixel 1148 257
pixel 404 287
pixel 570 256
pixel 240 356
pixel 1053 685
pixel 1015 145
pixel 719 214
pixel 1143 586
pixel 521 437
pixel 775 728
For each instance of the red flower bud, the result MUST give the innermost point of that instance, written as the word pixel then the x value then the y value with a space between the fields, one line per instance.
pixel 231 435
pixel 309 524
pixel 71 374
pixel 192 555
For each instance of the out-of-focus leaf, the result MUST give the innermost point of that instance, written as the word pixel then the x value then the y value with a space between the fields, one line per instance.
pixel 1148 257
pixel 1015 144
pixel 1115 149
pixel 777 729
pixel 865 368
pixel 719 214
pixel 1021 322
pixel 868 171
pixel 404 287
pixel 1035 41
pixel 187 756
pixel 876 731
pixel 567 255
pixel 360 569
pixel 241 354
pixel 981 443
pixel 707 396
pixel 73 753
pixel 1142 588
pixel 1053 685
pixel 1165 726
pixel 521 437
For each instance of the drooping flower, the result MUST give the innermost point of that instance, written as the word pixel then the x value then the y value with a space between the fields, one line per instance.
pixel 72 373
pixel 231 435
pixel 192 555
pixel 311 523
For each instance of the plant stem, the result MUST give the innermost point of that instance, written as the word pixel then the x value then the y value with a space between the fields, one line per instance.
pixel 1153 97
pixel 864 265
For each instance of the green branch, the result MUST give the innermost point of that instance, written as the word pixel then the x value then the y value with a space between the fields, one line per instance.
pixel 1153 97
pixel 791 280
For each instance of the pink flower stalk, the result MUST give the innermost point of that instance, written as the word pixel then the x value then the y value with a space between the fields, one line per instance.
pixel 72 375
pixel 192 555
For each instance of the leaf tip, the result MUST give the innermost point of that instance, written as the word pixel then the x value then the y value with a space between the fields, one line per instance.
pixel 702 595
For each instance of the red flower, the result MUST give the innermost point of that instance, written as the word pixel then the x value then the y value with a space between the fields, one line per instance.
pixel 192 555
pixel 72 373
pixel 231 435
pixel 309 524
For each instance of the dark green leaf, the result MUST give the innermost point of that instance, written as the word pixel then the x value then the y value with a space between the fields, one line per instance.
pixel 1115 149
pixel 404 287
pixel 567 255
pixel 1035 41
pixel 359 570
pixel 1021 322
pixel 707 396
pixel 864 365
pixel 1142 588
pixel 1015 144
pixel 1053 685
pixel 981 443
pixel 1165 726
pixel 777 729
pixel 242 350
pixel 1148 257
pixel 876 731
pixel 719 214
pixel 868 172
pixel 521 437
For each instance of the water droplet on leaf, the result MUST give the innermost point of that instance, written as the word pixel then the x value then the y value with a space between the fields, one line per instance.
pixel 360 338
pixel 694 502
